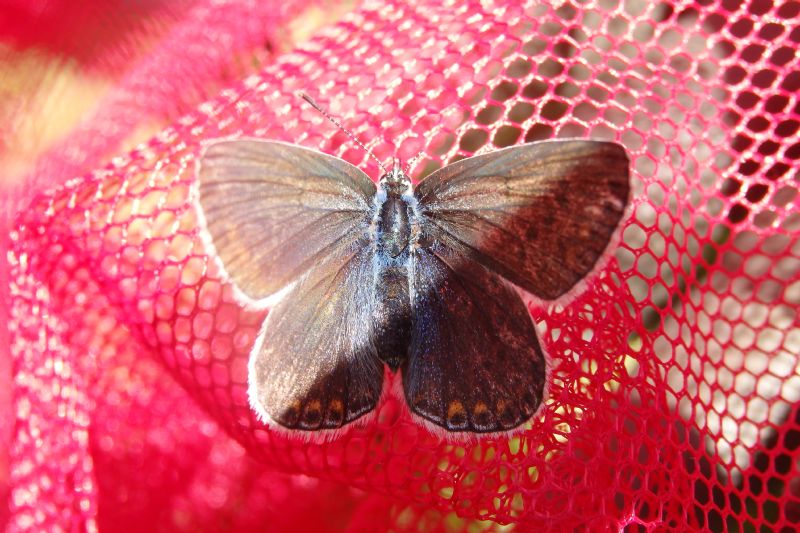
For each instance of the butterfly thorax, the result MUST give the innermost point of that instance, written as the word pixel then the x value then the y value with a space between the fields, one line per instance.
pixel 393 222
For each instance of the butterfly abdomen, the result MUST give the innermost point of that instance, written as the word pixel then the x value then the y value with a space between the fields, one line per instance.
pixel 392 315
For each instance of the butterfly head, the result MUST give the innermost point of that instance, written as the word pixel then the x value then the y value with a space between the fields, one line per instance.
pixel 395 181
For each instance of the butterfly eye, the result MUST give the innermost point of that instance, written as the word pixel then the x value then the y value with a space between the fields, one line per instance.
pixel 395 176
pixel 395 180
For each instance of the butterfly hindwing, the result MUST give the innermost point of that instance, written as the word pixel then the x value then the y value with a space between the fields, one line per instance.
pixel 275 209
pixel 316 366
pixel 474 364
pixel 540 214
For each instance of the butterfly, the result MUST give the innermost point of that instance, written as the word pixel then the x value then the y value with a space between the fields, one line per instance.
pixel 426 280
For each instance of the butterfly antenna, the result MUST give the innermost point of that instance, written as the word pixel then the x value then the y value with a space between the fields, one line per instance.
pixel 327 115
pixel 413 160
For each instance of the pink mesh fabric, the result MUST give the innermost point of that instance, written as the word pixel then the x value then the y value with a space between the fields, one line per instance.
pixel 674 393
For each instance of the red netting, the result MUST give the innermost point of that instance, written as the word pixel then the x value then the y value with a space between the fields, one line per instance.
pixel 675 386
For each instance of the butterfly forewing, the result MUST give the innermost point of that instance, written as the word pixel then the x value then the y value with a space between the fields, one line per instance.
pixel 316 366
pixel 474 364
pixel 274 209
pixel 540 215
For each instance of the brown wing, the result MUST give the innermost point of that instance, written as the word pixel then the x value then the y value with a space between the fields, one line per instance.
pixel 316 366
pixel 274 209
pixel 540 214
pixel 474 364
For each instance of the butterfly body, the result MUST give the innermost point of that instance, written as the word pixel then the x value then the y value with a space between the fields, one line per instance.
pixel 393 243
pixel 425 279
